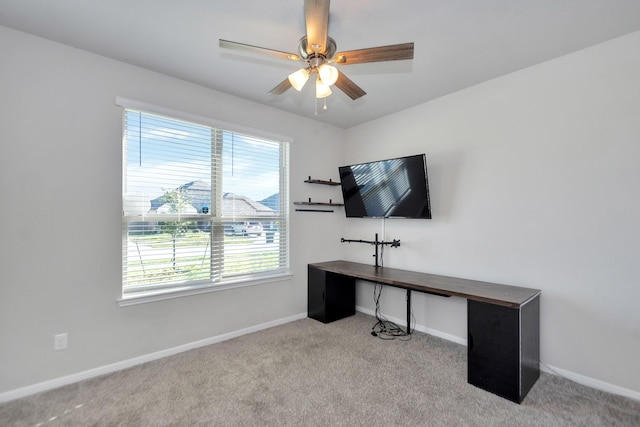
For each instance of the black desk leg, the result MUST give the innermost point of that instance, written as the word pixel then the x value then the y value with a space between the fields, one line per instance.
pixel 408 311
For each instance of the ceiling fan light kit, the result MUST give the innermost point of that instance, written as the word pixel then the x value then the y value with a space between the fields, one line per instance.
pixel 318 51
pixel 328 74
pixel 322 89
pixel 299 78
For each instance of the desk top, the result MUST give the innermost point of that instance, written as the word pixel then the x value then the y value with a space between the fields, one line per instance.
pixel 506 295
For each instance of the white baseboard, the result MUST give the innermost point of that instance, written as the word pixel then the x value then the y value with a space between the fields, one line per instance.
pixel 591 382
pixel 420 328
pixel 580 379
pixel 107 369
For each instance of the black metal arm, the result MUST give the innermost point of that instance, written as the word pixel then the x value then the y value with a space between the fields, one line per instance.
pixel 394 244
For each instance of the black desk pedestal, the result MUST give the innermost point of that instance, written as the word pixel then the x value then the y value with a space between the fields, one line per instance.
pixel 330 296
pixel 503 350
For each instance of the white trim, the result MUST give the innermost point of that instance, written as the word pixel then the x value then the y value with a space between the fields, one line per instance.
pixel 118 366
pixel 591 382
pixel 161 295
pixel 420 328
pixel 194 118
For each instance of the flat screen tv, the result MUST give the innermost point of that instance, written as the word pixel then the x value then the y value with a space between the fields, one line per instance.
pixel 393 188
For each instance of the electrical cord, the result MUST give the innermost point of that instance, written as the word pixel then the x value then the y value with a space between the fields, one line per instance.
pixel 384 328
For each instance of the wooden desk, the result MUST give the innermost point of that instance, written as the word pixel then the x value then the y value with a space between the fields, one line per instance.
pixel 503 321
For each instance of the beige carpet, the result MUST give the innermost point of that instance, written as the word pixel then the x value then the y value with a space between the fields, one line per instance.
pixel 306 373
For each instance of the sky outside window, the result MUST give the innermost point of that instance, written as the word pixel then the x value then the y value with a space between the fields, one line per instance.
pixel 163 154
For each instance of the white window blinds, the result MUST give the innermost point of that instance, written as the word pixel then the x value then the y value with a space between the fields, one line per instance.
pixel 202 206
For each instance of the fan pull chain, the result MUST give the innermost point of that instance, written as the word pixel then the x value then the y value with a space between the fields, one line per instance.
pixel 324 107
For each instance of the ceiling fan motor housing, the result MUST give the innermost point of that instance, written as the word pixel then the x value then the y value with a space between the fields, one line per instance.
pixel 308 52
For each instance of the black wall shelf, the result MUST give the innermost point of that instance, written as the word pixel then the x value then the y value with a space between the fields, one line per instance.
pixel 310 203
pixel 321 181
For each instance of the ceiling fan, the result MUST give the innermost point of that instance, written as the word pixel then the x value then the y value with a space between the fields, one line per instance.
pixel 318 51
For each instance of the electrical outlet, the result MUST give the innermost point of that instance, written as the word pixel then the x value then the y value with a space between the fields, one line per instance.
pixel 60 341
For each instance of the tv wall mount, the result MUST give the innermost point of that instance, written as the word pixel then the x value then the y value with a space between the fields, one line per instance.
pixel 377 243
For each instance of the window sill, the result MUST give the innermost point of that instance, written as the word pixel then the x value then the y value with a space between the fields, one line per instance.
pixel 185 291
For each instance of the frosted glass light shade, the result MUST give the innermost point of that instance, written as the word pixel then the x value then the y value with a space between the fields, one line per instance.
pixel 299 78
pixel 322 90
pixel 328 74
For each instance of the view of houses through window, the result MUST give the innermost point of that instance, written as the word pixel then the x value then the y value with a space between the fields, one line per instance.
pixel 202 206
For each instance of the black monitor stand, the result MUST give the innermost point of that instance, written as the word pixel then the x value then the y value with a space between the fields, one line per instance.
pixel 394 244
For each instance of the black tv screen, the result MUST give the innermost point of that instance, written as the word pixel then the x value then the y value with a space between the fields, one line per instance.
pixel 393 188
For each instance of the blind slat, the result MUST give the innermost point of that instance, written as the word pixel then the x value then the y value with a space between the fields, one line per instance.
pixel 200 205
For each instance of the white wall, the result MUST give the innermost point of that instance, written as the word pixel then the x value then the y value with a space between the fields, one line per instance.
pixel 60 186
pixel 534 182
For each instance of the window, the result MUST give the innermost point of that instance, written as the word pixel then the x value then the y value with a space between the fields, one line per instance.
pixel 203 206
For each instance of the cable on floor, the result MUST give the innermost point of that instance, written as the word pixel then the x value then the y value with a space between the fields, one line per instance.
pixel 384 328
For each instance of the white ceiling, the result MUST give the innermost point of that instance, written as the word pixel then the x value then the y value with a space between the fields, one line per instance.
pixel 458 43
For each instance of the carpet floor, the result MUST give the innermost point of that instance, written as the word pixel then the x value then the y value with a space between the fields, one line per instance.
pixel 306 373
